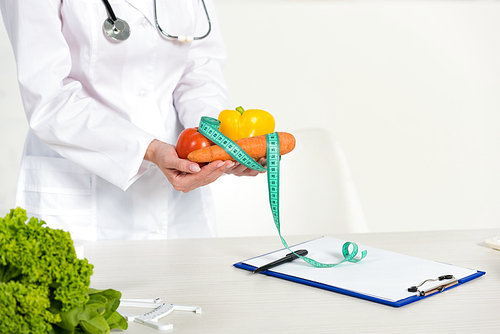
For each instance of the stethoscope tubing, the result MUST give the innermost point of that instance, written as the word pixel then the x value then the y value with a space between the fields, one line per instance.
pixel 111 13
pixel 174 36
pixel 121 34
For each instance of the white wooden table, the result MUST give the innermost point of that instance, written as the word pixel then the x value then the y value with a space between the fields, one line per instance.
pixel 200 272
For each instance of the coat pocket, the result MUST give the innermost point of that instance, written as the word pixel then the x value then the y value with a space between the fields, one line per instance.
pixel 54 186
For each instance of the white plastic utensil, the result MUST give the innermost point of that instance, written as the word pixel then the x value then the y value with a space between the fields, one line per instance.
pixel 150 319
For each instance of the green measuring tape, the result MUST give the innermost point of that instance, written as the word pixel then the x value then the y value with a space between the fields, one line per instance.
pixel 209 127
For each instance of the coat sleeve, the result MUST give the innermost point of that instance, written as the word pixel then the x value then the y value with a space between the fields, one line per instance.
pixel 202 90
pixel 73 126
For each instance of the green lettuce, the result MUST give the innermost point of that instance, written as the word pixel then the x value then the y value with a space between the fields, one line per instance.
pixel 44 287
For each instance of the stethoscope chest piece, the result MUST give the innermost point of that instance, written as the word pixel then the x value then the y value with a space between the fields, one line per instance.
pixel 119 30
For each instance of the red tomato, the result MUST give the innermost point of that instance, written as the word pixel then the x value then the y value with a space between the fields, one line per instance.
pixel 191 140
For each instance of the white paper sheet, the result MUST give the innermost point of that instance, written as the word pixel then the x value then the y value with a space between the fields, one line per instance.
pixel 381 274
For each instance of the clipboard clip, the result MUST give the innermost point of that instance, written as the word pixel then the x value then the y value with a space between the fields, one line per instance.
pixel 435 289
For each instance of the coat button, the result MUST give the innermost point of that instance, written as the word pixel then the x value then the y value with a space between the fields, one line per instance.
pixel 143 93
pixel 145 24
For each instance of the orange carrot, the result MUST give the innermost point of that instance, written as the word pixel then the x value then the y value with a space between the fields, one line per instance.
pixel 256 147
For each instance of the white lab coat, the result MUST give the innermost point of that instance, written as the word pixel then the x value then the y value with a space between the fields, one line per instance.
pixel 94 106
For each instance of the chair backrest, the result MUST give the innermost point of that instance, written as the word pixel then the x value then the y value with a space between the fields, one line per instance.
pixel 317 193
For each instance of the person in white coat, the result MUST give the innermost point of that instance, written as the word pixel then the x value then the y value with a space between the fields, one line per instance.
pixel 104 115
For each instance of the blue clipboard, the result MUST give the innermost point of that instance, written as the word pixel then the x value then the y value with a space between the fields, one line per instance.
pixel 350 278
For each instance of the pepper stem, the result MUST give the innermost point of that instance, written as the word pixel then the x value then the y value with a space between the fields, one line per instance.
pixel 240 110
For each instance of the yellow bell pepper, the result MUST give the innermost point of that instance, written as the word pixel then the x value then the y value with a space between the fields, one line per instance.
pixel 237 124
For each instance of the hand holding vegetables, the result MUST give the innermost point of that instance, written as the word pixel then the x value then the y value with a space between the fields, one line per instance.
pixel 183 174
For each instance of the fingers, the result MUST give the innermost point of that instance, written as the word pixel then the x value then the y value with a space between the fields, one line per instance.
pixel 185 175
pixel 237 170
pixel 213 172
pixel 165 157
pixel 182 165
pixel 186 182
pixel 240 170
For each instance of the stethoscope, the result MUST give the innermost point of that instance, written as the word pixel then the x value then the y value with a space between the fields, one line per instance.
pixel 119 30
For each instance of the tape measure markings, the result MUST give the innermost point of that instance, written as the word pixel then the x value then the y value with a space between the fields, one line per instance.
pixel 209 127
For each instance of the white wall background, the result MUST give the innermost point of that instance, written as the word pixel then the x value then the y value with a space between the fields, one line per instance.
pixel 410 89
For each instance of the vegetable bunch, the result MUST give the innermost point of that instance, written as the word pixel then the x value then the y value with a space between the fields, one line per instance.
pixel 246 128
pixel 44 287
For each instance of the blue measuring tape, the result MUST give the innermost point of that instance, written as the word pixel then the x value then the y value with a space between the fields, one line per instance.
pixel 209 127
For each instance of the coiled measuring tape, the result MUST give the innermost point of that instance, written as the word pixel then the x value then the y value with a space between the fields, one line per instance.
pixel 209 127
